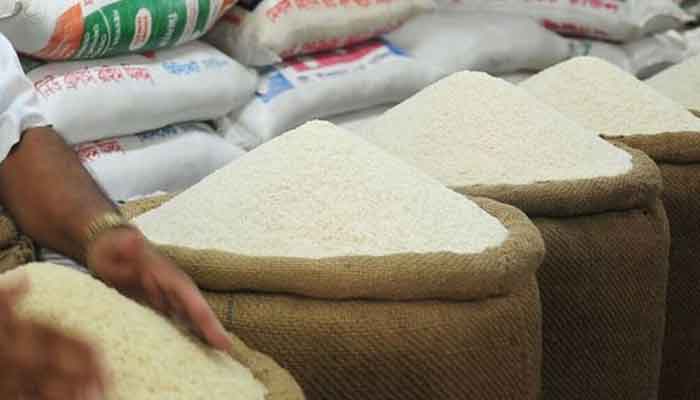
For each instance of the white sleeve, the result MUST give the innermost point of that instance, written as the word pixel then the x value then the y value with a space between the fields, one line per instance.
pixel 19 103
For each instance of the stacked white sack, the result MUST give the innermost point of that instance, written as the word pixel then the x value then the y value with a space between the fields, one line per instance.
pixel 170 159
pixel 98 99
pixel 278 29
pixel 330 83
pixel 495 43
pixel 643 57
pixel 76 29
pixel 616 20
pixel 356 121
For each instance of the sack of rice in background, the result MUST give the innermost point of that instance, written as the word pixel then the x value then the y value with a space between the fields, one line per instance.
pixel 318 218
pixel 169 159
pixel 642 58
pixel 621 108
pixel 92 100
pixel 603 278
pixel 448 42
pixel 278 29
pixel 144 353
pixel 74 29
pixel 331 83
pixel 681 83
pixel 616 20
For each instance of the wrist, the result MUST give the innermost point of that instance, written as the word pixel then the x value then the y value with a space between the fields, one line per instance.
pixel 100 227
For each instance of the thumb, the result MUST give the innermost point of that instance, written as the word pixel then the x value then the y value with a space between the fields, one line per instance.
pixel 13 285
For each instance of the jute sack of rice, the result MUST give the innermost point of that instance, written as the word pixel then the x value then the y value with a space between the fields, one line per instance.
pixel 597 206
pixel 681 83
pixel 146 356
pixel 364 277
pixel 621 108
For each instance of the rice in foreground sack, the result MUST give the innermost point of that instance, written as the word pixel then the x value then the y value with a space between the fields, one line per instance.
pixel 624 109
pixel 616 20
pixel 99 99
pixel 597 206
pixel 330 83
pixel 279 29
pixel 146 356
pixel 76 29
pixel 295 184
pixel 681 83
pixel 296 233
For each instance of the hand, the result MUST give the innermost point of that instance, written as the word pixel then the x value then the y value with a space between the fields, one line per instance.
pixel 123 258
pixel 40 363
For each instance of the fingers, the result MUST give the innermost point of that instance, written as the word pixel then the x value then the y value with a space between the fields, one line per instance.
pixel 188 304
pixel 13 286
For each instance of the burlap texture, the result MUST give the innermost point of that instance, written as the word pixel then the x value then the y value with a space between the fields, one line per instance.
pixel 678 156
pixel 279 383
pixel 640 187
pixel 603 288
pixel 15 249
pixel 673 147
pixel 382 350
pixel 493 272
pixel 603 281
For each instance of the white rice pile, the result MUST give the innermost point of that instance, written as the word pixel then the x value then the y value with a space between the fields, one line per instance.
pixel 473 129
pixel 608 100
pixel 319 191
pixel 680 83
pixel 148 358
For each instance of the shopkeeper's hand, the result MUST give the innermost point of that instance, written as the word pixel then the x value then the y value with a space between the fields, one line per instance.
pixel 124 259
pixel 40 363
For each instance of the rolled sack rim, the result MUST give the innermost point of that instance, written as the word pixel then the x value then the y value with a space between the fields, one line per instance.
pixel 638 188
pixel 279 382
pixel 497 271
pixel 664 147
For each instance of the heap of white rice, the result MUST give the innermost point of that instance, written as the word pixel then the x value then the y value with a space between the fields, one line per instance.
pixel 147 357
pixel 680 83
pixel 319 191
pixel 473 129
pixel 608 100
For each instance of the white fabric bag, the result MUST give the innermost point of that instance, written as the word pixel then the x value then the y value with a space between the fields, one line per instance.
pixel 80 29
pixel 278 29
pixel 642 58
pixel 495 43
pixel 331 83
pixel 356 121
pixel 170 159
pixel 618 20
pixel 91 100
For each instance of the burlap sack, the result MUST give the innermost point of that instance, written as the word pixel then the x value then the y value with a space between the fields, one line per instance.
pixel 461 277
pixel 603 280
pixel 412 348
pixel 15 249
pixel 678 158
